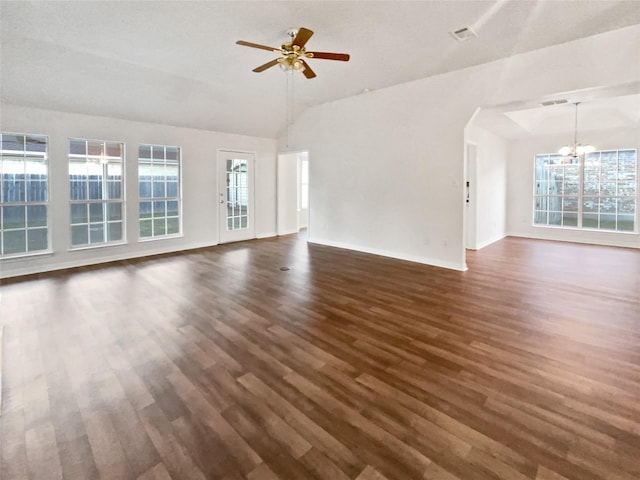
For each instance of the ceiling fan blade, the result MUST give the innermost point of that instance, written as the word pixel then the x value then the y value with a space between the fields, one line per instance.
pixel 303 36
pixel 256 45
pixel 262 68
pixel 330 56
pixel 307 70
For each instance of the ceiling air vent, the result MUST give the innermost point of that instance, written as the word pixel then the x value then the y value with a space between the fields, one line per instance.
pixel 463 34
pixel 554 102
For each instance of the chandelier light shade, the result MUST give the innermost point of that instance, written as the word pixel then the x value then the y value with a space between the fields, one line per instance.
pixel 576 149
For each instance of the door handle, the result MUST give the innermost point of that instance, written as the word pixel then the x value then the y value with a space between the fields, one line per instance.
pixel 222 201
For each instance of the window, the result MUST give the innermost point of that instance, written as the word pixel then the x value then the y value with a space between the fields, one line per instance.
pixel 96 192
pixel 23 194
pixel 159 187
pixel 597 193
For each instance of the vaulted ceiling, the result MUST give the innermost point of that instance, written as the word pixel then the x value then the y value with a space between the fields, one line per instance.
pixel 177 62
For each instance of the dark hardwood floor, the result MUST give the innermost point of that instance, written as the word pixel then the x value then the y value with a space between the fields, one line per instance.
pixel 217 364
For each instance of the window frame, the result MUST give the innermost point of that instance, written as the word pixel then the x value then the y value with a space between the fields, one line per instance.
pixel 26 203
pixel 583 163
pixel 105 201
pixel 152 199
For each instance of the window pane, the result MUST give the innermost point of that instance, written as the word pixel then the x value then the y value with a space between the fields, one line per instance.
pixel 608 205
pixel 590 204
pixel 608 222
pixel 36 216
pixel 13 217
pixel 145 209
pixel 114 150
pixel 570 204
pixel 79 235
pixel 114 232
pixel 145 228
pixel 35 143
pixel 158 189
pixel 172 189
pixel 626 223
pixel 14 241
pixel 79 213
pixel 172 153
pixel 159 209
pixel 95 190
pixel 570 220
pixel 159 226
pixel 608 188
pixel 114 190
pixel 172 209
pixel 114 171
pixel 78 190
pixel 590 220
pixel 37 191
pixel 158 153
pixel 626 206
pixel 158 172
pixel 555 218
pixel 144 151
pixel 96 232
pixel 173 226
pixel 145 189
pixel 37 239
pixel 114 211
pixel 96 212
pixel 95 148
pixel 12 142
pixel 78 147
pixel 13 191
pixel 627 188
pixel 171 172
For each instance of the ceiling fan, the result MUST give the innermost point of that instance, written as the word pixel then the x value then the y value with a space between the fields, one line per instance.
pixel 294 54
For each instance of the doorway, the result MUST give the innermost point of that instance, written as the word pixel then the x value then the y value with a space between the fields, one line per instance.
pixel 235 196
pixel 293 192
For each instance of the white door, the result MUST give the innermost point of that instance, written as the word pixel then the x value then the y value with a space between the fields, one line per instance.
pixel 235 196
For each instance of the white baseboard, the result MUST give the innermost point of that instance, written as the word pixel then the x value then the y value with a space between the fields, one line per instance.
pixel 31 265
pixel 386 253
pixel 489 242
pixel 609 239
pixel 266 235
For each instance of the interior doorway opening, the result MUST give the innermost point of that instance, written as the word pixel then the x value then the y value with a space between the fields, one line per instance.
pixel 292 192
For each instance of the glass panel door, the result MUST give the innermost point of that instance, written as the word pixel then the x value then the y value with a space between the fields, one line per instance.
pixel 235 196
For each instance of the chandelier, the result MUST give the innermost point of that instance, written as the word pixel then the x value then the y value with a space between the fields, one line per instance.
pixel 576 149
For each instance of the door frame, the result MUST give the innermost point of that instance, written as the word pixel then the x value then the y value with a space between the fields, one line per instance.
pixel 471 178
pixel 222 154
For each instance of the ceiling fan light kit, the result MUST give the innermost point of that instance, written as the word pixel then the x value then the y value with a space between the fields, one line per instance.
pixel 293 53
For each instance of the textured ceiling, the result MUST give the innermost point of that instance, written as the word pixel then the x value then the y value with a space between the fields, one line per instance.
pixel 177 62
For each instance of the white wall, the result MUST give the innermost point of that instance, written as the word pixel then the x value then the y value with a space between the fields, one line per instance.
pixel 287 193
pixel 490 189
pixel 387 170
pixel 520 186
pixel 199 174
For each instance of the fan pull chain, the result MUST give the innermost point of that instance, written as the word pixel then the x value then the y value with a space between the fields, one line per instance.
pixel 289 101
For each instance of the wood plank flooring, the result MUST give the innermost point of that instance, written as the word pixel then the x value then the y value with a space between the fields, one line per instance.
pixel 216 364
